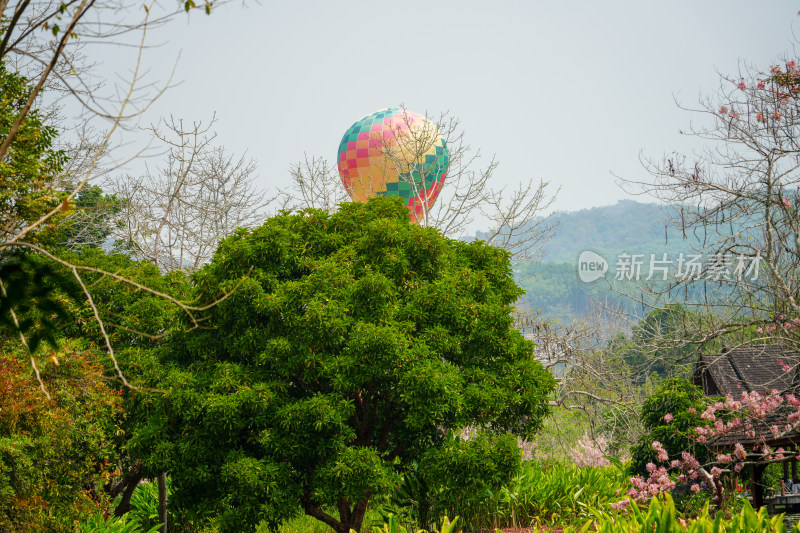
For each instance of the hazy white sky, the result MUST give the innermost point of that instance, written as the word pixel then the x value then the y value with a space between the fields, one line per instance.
pixel 565 91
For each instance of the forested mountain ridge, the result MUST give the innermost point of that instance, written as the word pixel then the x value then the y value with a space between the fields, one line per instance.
pixel 627 227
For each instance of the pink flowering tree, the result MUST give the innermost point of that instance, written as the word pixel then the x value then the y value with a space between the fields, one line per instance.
pixel 741 191
pixel 590 451
pixel 734 433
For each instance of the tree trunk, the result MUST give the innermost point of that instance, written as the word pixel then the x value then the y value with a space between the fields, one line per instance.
pixel 758 487
pixel 162 502
pixel 347 519
pixel 130 482
pixel 357 516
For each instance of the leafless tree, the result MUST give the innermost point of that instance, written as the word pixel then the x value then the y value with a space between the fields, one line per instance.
pixel 176 216
pixel 738 194
pixel 594 383
pixel 40 39
pixel 515 217
pixel 314 183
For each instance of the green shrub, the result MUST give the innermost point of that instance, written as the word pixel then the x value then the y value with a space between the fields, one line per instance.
pixel 560 493
pixel 538 494
pixel 675 397
pixel 144 503
pixel 393 526
pixel 661 516
pixel 113 524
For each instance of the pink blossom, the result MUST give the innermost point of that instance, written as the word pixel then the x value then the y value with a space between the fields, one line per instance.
pixel 740 452
pixel 657 483
pixel 776 115
pixel 620 504
pixel 760 330
pixel 695 487
pixel 786 203
pixel 734 114
pixel 690 461
pixel 668 418
pixel 761 84
pixel 659 449
pixel 723 110
pixel 774 69
pixel 590 451
pixel 742 86
pixel 759 117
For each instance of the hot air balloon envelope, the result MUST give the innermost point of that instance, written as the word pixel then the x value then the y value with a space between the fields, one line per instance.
pixel 394 152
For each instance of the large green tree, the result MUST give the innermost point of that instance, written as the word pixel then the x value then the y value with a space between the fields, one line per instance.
pixel 353 343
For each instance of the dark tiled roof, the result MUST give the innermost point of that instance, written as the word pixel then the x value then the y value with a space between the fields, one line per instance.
pixel 755 367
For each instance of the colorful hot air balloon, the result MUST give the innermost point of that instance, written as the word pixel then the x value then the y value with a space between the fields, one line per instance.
pixel 394 152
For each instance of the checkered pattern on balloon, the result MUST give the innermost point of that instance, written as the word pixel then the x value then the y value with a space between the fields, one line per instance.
pixel 394 152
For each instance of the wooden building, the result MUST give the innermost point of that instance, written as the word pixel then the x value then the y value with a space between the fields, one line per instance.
pixel 758 368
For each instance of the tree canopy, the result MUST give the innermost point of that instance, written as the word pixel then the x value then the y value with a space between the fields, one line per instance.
pixel 354 342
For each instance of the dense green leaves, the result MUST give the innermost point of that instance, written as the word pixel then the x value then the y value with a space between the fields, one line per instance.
pixel 28 304
pixel 352 344
pixel 55 455
pixel 28 172
pixel 684 403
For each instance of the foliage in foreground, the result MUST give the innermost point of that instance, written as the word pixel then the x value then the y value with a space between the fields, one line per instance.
pixel 393 526
pixel 55 455
pixel 539 494
pixel 550 494
pixel 114 524
pixel 662 517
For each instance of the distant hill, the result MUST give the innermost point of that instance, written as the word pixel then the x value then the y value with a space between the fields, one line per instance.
pixel 631 227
